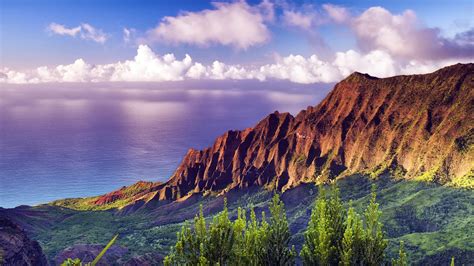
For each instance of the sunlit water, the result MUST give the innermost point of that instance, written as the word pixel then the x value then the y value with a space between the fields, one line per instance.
pixel 74 140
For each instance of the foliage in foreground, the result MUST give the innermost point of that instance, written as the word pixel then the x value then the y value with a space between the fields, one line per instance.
pixel 433 221
pixel 241 242
pixel 334 236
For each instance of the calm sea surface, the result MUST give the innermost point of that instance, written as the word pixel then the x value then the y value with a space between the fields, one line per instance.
pixel 75 140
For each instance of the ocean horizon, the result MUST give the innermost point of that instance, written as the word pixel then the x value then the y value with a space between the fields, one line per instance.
pixel 77 140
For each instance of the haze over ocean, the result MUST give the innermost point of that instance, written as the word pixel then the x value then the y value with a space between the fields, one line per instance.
pixel 75 140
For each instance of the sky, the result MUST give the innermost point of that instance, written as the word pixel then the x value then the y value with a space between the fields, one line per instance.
pixel 298 41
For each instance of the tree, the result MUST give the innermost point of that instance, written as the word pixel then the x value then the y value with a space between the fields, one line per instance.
pixel 337 215
pixel 256 237
pixel 353 239
pixel 402 257
pixel 323 237
pixel 315 250
pixel 240 246
pixel 204 246
pixel 375 243
pixel 334 236
pixel 219 245
pixel 223 242
pixel 276 249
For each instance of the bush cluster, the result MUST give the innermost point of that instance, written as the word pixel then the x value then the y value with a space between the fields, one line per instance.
pixel 335 235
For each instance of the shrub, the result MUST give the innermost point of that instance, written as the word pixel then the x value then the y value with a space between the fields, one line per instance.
pixel 338 236
pixel 223 242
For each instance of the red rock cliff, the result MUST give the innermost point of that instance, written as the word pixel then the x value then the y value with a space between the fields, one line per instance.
pixel 408 124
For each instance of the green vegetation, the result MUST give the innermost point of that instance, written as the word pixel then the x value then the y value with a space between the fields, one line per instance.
pixel 323 237
pixel 402 257
pixel 127 196
pixel 275 249
pixel 87 204
pixel 334 236
pixel 78 262
pixel 338 236
pixel 240 242
pixel 466 181
pixel 428 176
pixel 433 221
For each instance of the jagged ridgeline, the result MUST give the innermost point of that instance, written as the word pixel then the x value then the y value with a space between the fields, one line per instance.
pixel 414 127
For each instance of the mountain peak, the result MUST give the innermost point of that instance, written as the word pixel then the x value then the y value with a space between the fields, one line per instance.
pixel 413 126
pixel 356 76
pixel 406 124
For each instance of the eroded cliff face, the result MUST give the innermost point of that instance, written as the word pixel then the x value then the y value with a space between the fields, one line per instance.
pixel 413 126
pixel 16 248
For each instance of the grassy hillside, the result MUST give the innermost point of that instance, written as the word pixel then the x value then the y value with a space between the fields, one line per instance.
pixel 434 221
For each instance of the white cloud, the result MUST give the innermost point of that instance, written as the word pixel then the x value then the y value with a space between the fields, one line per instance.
pixel 299 69
pixel 90 33
pixel 267 10
pixel 376 63
pixel 78 71
pixel 404 36
pixel 148 66
pixel 10 76
pixel 84 31
pixel 63 30
pixel 233 24
pixel 337 13
pixel 297 19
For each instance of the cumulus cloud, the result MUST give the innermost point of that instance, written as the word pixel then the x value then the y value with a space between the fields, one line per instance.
pixel 10 76
pixel 299 69
pixel 84 31
pixel 404 36
pixel 149 66
pixel 377 63
pixel 232 24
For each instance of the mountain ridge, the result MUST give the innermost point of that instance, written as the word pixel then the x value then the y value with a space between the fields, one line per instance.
pixel 415 126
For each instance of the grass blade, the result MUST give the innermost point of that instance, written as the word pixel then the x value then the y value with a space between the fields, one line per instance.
pixel 111 242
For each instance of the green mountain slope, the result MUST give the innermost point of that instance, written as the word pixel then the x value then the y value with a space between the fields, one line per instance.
pixel 434 221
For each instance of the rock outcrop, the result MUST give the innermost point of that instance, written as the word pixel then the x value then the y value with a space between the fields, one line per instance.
pixel 16 248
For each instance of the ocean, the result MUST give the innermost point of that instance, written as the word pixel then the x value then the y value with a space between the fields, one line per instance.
pixel 76 140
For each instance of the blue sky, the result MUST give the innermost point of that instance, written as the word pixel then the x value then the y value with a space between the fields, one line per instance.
pixel 27 41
